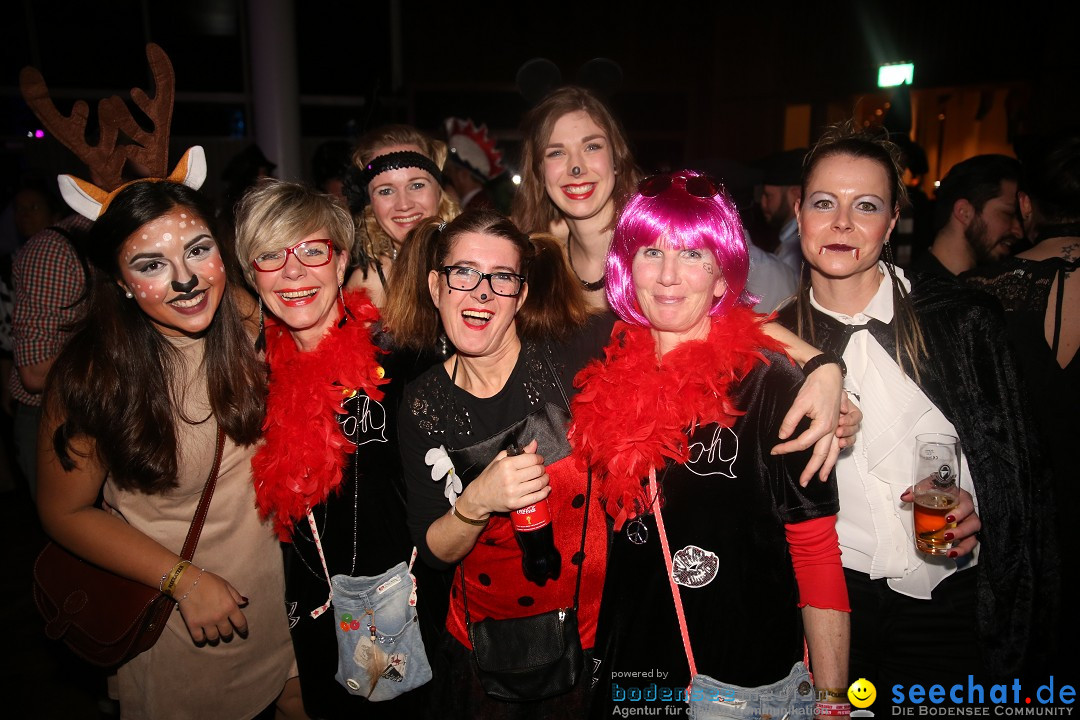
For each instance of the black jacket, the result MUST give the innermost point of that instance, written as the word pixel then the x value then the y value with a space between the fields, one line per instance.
pixel 971 376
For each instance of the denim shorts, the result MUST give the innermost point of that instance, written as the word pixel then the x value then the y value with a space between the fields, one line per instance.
pixel 380 651
pixel 791 698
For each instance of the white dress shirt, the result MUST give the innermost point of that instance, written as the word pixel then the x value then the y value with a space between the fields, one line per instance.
pixel 874 527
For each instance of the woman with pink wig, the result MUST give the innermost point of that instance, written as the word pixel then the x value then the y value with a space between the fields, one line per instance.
pixel 721 560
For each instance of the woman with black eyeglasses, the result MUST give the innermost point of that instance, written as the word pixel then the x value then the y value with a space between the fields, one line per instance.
pixel 484 434
pixel 327 471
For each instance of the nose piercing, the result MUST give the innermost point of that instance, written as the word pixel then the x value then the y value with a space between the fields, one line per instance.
pixel 575 171
pixel 186 287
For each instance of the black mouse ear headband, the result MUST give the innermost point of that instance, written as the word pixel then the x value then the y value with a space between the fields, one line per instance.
pixel 539 76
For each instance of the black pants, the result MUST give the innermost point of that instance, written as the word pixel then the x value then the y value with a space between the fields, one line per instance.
pixel 896 639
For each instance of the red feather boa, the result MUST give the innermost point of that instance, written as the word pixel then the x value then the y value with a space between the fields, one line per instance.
pixel 303 454
pixel 635 412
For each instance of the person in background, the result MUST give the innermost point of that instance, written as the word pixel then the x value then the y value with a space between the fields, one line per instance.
pixel 49 282
pixel 329 167
pixel 976 220
pixel 1040 291
pixel 780 192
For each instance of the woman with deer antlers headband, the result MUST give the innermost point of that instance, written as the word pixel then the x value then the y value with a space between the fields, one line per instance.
pixel 398 183
pixel 164 362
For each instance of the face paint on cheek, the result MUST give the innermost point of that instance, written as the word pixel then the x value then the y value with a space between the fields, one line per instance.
pixel 707 268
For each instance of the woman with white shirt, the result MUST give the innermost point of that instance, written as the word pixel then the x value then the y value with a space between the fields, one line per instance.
pixel 923 355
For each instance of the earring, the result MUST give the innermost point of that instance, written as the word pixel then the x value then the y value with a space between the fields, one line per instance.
pixel 129 294
pixel 260 339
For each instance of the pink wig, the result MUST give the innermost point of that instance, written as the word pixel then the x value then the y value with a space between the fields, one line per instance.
pixel 676 219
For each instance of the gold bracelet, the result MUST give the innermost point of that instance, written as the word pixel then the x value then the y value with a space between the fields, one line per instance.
pixel 827 694
pixel 470 521
pixel 174 577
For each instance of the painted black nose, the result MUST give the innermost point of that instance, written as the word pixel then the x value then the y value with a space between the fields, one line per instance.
pixel 186 287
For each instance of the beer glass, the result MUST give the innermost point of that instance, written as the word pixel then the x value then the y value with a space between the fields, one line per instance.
pixel 937 490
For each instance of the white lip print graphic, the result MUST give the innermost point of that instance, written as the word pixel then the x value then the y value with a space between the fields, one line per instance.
pixel 693 567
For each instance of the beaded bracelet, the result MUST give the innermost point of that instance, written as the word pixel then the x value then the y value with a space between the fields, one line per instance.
pixel 470 521
pixel 832 709
pixel 193 586
pixel 173 577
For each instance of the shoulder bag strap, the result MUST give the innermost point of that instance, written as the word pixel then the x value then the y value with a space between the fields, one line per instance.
pixel 671 577
pixel 675 590
pixel 204 502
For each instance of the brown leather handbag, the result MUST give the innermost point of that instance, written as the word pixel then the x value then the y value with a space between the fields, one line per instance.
pixel 104 618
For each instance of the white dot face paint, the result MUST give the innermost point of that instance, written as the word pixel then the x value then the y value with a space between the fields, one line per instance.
pixel 158 258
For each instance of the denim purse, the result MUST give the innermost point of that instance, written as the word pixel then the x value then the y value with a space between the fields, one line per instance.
pixel 380 651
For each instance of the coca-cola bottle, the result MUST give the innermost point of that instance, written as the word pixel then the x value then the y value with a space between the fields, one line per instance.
pixel 540 559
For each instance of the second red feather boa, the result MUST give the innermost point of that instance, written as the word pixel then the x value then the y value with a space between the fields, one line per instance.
pixel 635 412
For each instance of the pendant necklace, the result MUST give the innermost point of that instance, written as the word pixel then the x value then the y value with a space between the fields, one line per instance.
pixel 589 286
pixel 636 531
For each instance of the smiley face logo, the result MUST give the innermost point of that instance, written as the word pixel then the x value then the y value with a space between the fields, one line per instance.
pixel 862 693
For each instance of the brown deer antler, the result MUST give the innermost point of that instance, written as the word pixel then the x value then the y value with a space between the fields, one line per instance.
pixel 106 159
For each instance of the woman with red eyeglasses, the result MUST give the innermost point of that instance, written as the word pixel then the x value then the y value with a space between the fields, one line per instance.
pixel 328 471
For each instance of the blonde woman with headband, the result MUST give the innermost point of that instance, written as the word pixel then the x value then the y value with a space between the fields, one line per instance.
pixel 399 184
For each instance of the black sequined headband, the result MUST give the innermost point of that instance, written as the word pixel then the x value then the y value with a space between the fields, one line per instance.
pixel 396 161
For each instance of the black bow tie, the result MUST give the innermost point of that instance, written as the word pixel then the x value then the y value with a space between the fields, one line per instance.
pixel 834 335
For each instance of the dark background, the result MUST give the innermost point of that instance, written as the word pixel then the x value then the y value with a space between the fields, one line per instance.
pixel 701 79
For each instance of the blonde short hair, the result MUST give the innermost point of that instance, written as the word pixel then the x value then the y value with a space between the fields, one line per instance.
pixel 276 214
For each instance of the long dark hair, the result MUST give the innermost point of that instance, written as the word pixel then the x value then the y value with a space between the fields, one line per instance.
pixel 98 386
pixel 555 304
pixel 847 139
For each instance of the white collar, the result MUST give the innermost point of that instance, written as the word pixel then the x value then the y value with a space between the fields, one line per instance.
pixel 880 306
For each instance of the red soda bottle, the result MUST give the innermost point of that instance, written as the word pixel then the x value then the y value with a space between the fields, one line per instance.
pixel 540 559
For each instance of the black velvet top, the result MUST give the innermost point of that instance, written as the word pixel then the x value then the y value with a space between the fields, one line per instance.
pixel 724 513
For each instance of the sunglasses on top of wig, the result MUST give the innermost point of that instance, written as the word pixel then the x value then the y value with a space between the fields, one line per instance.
pixel 687 210
pixel 700 186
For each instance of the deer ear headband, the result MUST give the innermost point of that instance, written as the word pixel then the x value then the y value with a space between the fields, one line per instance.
pixel 106 159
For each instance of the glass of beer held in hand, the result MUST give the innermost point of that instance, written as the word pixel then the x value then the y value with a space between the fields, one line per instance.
pixel 936 489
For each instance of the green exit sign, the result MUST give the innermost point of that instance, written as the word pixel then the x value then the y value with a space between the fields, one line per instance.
pixel 895 74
